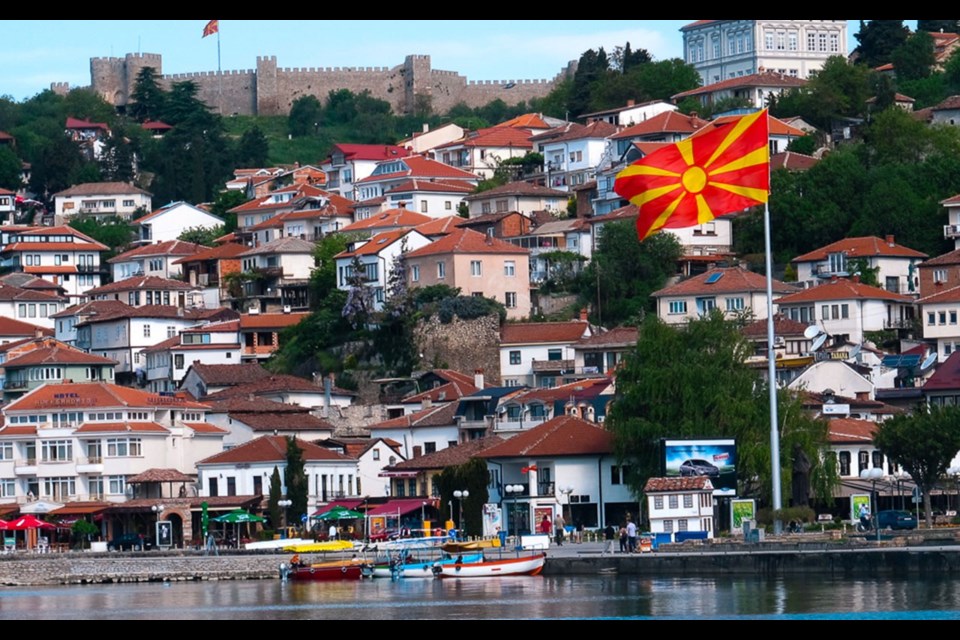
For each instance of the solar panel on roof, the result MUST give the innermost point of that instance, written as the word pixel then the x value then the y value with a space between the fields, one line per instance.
pixel 714 277
pixel 901 361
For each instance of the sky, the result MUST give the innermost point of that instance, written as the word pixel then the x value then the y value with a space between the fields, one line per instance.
pixel 35 53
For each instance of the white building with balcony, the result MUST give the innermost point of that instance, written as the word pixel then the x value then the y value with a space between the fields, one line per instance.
pixel 377 257
pixel 153 260
pixel 168 222
pixel 572 152
pixel 101 199
pixel 213 343
pixel 539 354
pixel 61 255
pixel 896 263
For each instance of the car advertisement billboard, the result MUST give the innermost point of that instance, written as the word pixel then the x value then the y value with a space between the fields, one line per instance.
pixel 715 459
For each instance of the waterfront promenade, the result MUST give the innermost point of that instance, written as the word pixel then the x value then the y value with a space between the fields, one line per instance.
pixel 917 553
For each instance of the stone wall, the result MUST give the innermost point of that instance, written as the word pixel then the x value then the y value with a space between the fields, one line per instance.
pixel 271 90
pixel 462 345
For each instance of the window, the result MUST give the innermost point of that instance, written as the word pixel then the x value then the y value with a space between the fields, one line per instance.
pixel 668 526
pixel 117 485
pixel 56 450
pixel 476 268
pixel 146 331
pixel 376 454
pixel 953 317
pixel 415 273
pixel 510 299
pixel 942 317
pixel 171 331
pixel 555 355
pixel 682 524
pixel 447 205
pixel 6 451
pixel 441 270
pixel 423 206
pixel 429 447
pixel 939 275
pixel 931 318
pixel 673 501
pixel 515 357
pixel 688 501
pixel 178 361
pixel 734 304
pixel 678 307
pixel 658 503
pixel 123 447
pixel 509 268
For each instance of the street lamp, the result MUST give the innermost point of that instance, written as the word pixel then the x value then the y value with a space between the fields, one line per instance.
pixel 158 513
pixel 954 472
pixel 513 490
pixel 284 504
pixel 461 496
pixel 900 475
pixel 873 474
pixel 566 491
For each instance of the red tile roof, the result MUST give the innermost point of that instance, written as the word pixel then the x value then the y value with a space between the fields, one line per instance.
pixel 420 167
pixel 560 436
pixel 542 332
pixel 850 430
pixel 16 294
pixel 948 295
pixel 168 248
pixel 160 475
pixel 466 241
pixel 277 246
pixel 616 337
pixel 526 121
pixel 270 320
pixel 371 151
pixel 376 244
pixel 792 161
pixel 666 122
pixel 263 421
pixel 101 189
pixel 273 449
pixel 451 456
pixel 12 327
pixel 776 127
pixel 731 280
pixel 860 247
pixel 782 326
pixel 765 79
pixel 220 252
pixel 274 383
pixel 672 485
pixel 439 226
pixel 947 375
pixel 519 188
pixel 951 257
pixel 494 137
pixel 149 311
pixel 219 375
pixel 97 307
pixel 433 186
pixel 388 219
pixel 268 202
pixel 58 354
pixel 96 394
pixel 77 123
pixel 444 393
pixel 438 416
pixel 141 282
pixel 122 427
pixel 842 289
pixel 575 131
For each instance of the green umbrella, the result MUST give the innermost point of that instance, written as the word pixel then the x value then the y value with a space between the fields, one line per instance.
pixel 339 513
pixel 237 516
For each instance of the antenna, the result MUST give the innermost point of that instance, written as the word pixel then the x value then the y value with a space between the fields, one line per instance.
pixel 928 361
pixel 818 342
pixel 812 332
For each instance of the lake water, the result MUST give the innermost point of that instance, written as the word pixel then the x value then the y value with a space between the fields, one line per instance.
pixel 545 598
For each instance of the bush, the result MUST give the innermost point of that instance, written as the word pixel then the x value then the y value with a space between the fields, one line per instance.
pixel 801 514
pixel 469 308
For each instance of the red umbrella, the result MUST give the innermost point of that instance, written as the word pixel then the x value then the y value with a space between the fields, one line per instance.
pixel 3 525
pixel 28 522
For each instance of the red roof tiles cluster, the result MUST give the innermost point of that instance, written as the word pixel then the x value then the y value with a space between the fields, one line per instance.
pixel 560 436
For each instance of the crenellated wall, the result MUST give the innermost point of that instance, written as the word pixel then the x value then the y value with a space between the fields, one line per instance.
pixel 271 90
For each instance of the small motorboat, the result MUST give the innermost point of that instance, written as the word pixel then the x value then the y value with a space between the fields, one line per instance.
pixel 345 569
pixel 490 568
pixel 411 565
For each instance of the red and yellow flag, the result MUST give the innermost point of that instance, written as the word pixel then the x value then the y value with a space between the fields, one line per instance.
pixel 212 27
pixel 700 178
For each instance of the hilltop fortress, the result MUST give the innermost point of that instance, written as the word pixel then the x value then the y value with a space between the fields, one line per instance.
pixel 270 90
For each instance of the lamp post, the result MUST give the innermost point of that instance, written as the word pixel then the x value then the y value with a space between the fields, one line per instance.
pixel 566 491
pixel 461 495
pixel 873 474
pixel 513 490
pixel 158 513
pixel 284 504
pixel 954 472
pixel 423 517
pixel 900 476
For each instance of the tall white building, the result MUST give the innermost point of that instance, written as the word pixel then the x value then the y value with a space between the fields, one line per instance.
pixel 724 49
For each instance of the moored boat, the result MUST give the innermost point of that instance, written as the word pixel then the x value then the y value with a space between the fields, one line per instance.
pixel 345 569
pixel 412 566
pixel 489 568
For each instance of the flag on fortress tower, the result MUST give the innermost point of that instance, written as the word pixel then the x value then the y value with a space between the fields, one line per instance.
pixel 212 27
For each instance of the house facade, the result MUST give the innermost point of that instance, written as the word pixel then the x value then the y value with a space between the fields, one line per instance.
pixel 521 197
pixel 896 264
pixel 282 269
pixel 680 506
pixel 212 343
pixel 101 199
pixel 481 152
pixel 167 223
pixel 572 153
pixel 61 255
pixel 539 354
pixel 350 163
pixel 155 259
pixel 377 258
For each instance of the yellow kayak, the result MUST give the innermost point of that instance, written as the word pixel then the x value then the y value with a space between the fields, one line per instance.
pixel 317 547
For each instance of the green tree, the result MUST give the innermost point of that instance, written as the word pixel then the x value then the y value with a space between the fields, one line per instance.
pixel 56 167
pixel 878 39
pixel 947 26
pixel 393 339
pixel 276 493
pixel 359 303
pixel 693 382
pixel 624 272
pixel 11 169
pixel 149 98
pixel 295 478
pixel 205 236
pixel 114 232
pixel 473 477
pixel 923 443
pixel 305 116
pixel 254 148
pixel 223 203
pixel 914 59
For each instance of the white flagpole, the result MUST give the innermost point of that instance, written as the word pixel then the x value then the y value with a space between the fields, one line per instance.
pixel 772 373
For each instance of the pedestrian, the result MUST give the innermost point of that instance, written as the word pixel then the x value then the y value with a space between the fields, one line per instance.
pixel 631 536
pixel 579 532
pixel 623 538
pixel 545 524
pixel 332 533
pixel 558 527
pixel 609 535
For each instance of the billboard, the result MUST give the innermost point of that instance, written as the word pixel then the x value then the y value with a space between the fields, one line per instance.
pixel 713 458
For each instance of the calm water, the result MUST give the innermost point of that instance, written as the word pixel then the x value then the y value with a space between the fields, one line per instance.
pixel 580 597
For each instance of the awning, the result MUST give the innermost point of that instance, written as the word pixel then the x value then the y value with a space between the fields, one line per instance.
pixel 81 509
pixel 401 506
pixel 352 503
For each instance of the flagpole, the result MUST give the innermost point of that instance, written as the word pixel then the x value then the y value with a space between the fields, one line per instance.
pixel 772 373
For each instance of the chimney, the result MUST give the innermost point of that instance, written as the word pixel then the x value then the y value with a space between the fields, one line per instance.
pixel 631 102
pixel 856 278
pixel 862 396
pixel 478 378
pixel 426 127
pixel 38 333
pixel 583 315
pixel 327 395
pixel 417 451
pixel 250 397
pixel 427 403
pixel 890 241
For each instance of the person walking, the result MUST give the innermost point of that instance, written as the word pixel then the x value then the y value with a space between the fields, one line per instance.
pixel 631 536
pixel 558 527
pixel 623 538
pixel 545 524
pixel 609 535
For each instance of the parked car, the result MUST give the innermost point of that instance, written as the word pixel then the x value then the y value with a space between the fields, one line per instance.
pixel 128 541
pixel 896 519
pixel 699 467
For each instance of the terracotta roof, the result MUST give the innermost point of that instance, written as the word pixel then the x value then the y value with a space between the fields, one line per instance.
pixel 150 311
pixel 724 280
pixel 270 320
pixel 270 202
pixel 438 416
pixel 560 436
pixel 371 151
pixel 51 269
pixel 12 327
pixel 782 326
pixel 156 125
pixel 519 188
pixel 285 421
pixel 578 390
pixel 575 131
pixel 77 123
pixel 947 375
pixel 223 251
pixel 451 456
pixel 205 428
pixel 54 246
pixel 141 282
pixel 666 122
pixel 274 383
pixel 765 79
pixel 122 427
pixel 388 219
pixel 947 295
pixel 616 337
pixel 492 218
pixel 439 226
pixel 98 307
pixel 949 103
pixel 59 354
pixel 435 186
pixel 101 189
pixel 239 405
pixel 467 241
pixel 858 247
pixel 160 475
pixel 444 393
pixel 452 375
pixel 218 375
pixel 16 294
pixel 376 244
pixel 499 136
pixel 168 248
pixel 670 485
pixel 776 127
pixel 526 121
pixel 286 244
pixel 542 332
pixel 420 167
pixel 96 394
pixel 842 289
pixel 626 212
pixel 951 257
pixel 792 161
pixel 843 430
pixel 273 449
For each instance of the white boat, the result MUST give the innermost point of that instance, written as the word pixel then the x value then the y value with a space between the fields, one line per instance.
pixel 412 565
pixel 522 566
pixel 272 545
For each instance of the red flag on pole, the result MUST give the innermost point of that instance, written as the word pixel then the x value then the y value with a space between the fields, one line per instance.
pixel 697 179
pixel 212 27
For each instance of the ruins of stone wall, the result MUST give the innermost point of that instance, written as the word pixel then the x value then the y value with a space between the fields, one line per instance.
pixel 462 345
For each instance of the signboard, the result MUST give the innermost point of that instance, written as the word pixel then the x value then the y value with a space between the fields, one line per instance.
pixel 538 514
pixel 715 459
pixel 492 520
pixel 917 496
pixel 378 524
pixel 164 534
pixel 856 500
pixel 740 510
pixel 836 409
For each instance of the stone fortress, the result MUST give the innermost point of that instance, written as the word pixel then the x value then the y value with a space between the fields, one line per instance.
pixel 270 90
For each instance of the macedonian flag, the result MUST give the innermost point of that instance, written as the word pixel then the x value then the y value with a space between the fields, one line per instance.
pixel 721 171
pixel 212 27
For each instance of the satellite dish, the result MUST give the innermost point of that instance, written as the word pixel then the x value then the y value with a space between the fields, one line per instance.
pixel 818 342
pixel 811 332
pixel 928 361
pixel 855 352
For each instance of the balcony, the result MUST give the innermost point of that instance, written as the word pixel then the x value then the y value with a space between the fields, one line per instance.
pixel 951 231
pixel 553 366
pixel 901 323
pixel 14 384
pixel 88 268
pixel 825 270
pixel 93 464
pixel 25 467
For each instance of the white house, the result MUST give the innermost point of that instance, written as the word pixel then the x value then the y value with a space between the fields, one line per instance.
pixel 539 353
pixel 247 470
pixel 521 197
pixel 482 151
pixel 153 260
pixel 631 113
pixel 102 199
pixel 896 263
pixel 377 257
pixel 62 255
pixel 428 139
pixel 755 89
pixel 81 442
pixel 8 206
pixel 212 343
pixel 350 163
pixel 150 290
pixel 246 419
pixel 680 505
pixel 733 290
pixel 434 198
pixel 30 305
pixel 372 455
pixel 169 222
pixel 283 266
pixel 565 465
pixel 394 172
pixel 572 152
pixel 431 429
pixel 837 376
pixel 938 315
